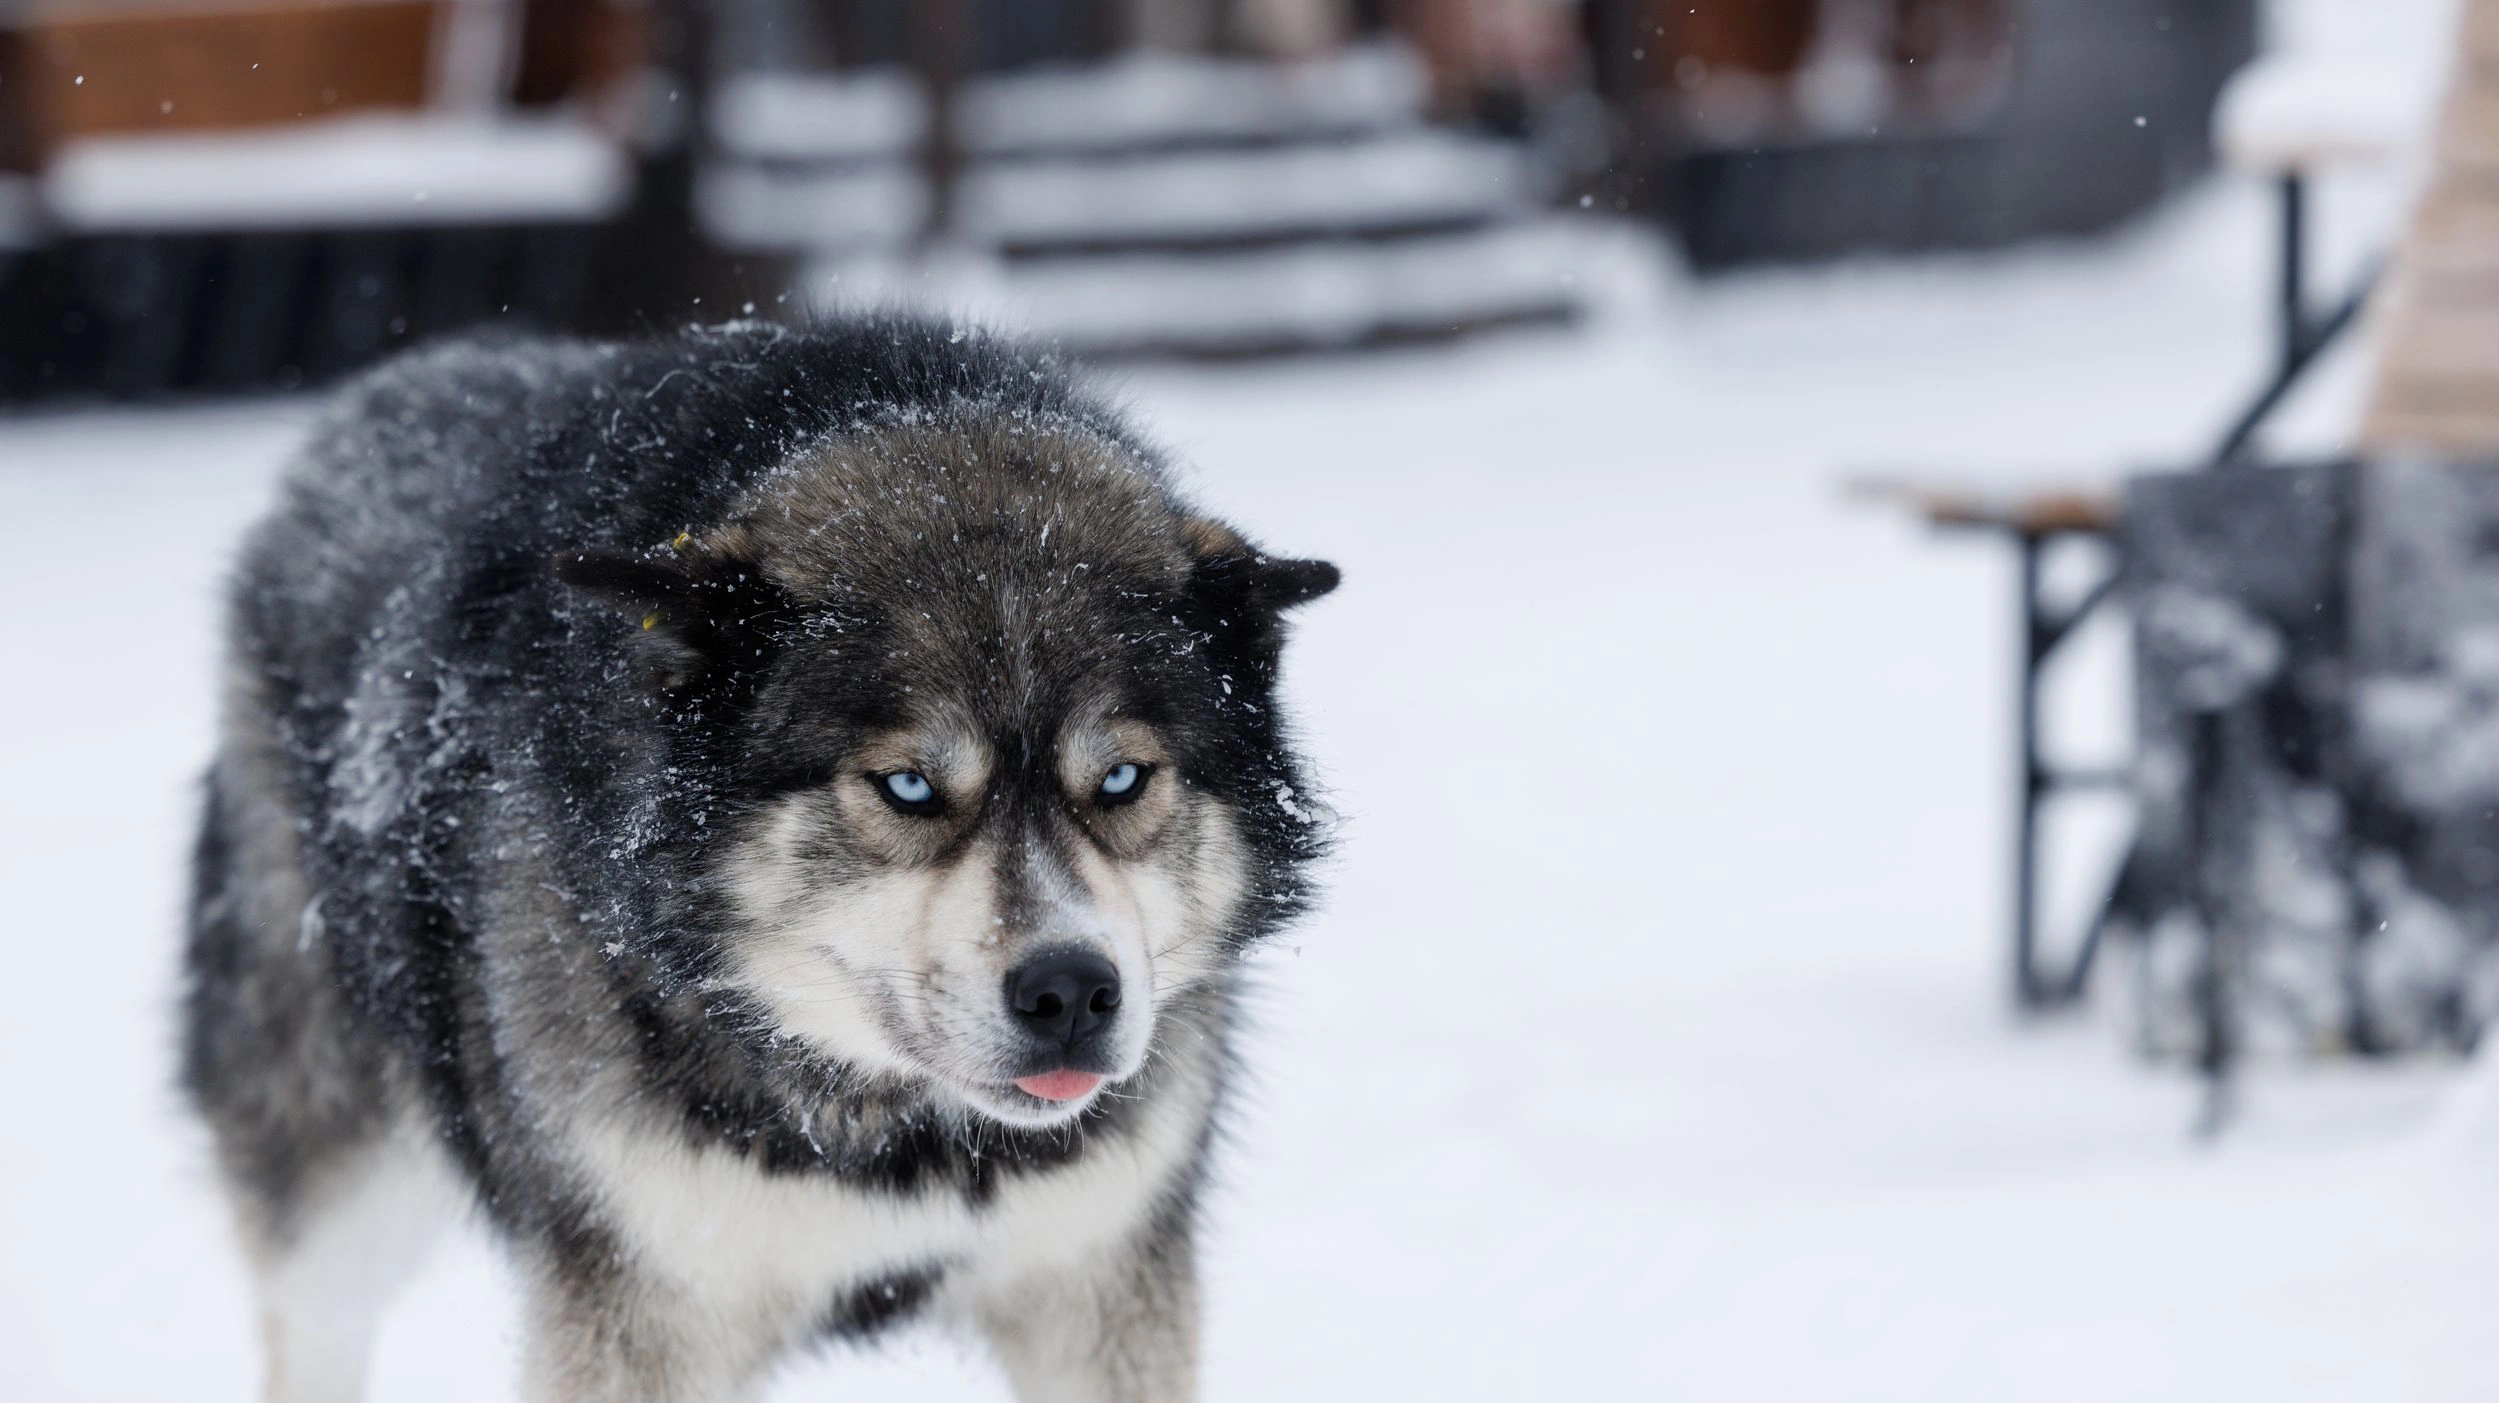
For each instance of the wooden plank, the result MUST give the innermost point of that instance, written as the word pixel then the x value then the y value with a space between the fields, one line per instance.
pixel 2454 232
pixel 2444 339
pixel 2468 132
pixel 2458 425
pixel 83 73
pixel 2481 36
pixel 2034 511
pixel 2436 385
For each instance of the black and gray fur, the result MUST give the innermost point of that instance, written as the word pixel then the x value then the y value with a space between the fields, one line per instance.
pixel 544 841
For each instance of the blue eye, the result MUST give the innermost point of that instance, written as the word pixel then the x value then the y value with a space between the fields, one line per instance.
pixel 1122 781
pixel 910 789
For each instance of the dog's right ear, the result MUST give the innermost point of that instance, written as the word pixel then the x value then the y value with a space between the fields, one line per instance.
pixel 695 615
pixel 1229 570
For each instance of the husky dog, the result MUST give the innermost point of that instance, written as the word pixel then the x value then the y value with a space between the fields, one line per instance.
pixel 769 818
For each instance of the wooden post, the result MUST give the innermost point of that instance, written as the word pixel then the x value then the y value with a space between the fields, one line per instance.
pixel 2437 385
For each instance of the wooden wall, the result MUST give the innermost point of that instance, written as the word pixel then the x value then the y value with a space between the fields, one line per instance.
pixel 81 70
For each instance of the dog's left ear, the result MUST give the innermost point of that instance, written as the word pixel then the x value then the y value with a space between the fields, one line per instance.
pixel 1243 583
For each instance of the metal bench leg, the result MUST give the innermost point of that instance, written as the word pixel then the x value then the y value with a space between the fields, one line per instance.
pixel 2028 989
pixel 2034 987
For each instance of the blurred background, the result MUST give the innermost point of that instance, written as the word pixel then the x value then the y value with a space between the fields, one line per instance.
pixel 218 196
pixel 1916 703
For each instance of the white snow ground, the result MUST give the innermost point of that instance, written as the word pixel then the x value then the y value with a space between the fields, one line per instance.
pixel 1652 1043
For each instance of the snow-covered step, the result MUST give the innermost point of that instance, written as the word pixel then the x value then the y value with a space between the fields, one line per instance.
pixel 1416 181
pixel 1307 295
pixel 840 209
pixel 1415 176
pixel 1311 296
pixel 1154 203
pixel 1147 99
pixel 821 118
pixel 1138 102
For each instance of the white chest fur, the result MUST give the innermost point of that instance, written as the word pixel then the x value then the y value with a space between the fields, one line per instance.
pixel 730 1238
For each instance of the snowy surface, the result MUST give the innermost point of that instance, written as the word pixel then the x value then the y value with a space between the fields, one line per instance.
pixel 1652 1044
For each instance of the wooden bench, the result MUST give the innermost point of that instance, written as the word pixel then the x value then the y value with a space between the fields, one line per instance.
pixel 2286 120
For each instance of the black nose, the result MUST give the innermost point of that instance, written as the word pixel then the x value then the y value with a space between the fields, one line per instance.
pixel 1064 995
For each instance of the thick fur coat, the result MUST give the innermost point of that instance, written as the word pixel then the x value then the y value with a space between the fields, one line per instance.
pixel 768 817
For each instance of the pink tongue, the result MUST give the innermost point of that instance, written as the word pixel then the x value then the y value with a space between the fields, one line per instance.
pixel 1060 1086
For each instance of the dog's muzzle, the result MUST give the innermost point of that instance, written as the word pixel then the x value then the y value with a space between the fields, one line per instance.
pixel 1066 1002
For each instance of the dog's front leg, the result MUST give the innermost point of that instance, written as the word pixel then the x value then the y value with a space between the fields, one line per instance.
pixel 617 1340
pixel 1120 1330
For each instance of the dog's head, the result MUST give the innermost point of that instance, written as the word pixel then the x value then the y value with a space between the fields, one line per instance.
pixel 995 718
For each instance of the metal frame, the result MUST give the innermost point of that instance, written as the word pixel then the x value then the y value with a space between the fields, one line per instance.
pixel 2302 335
pixel 2043 629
